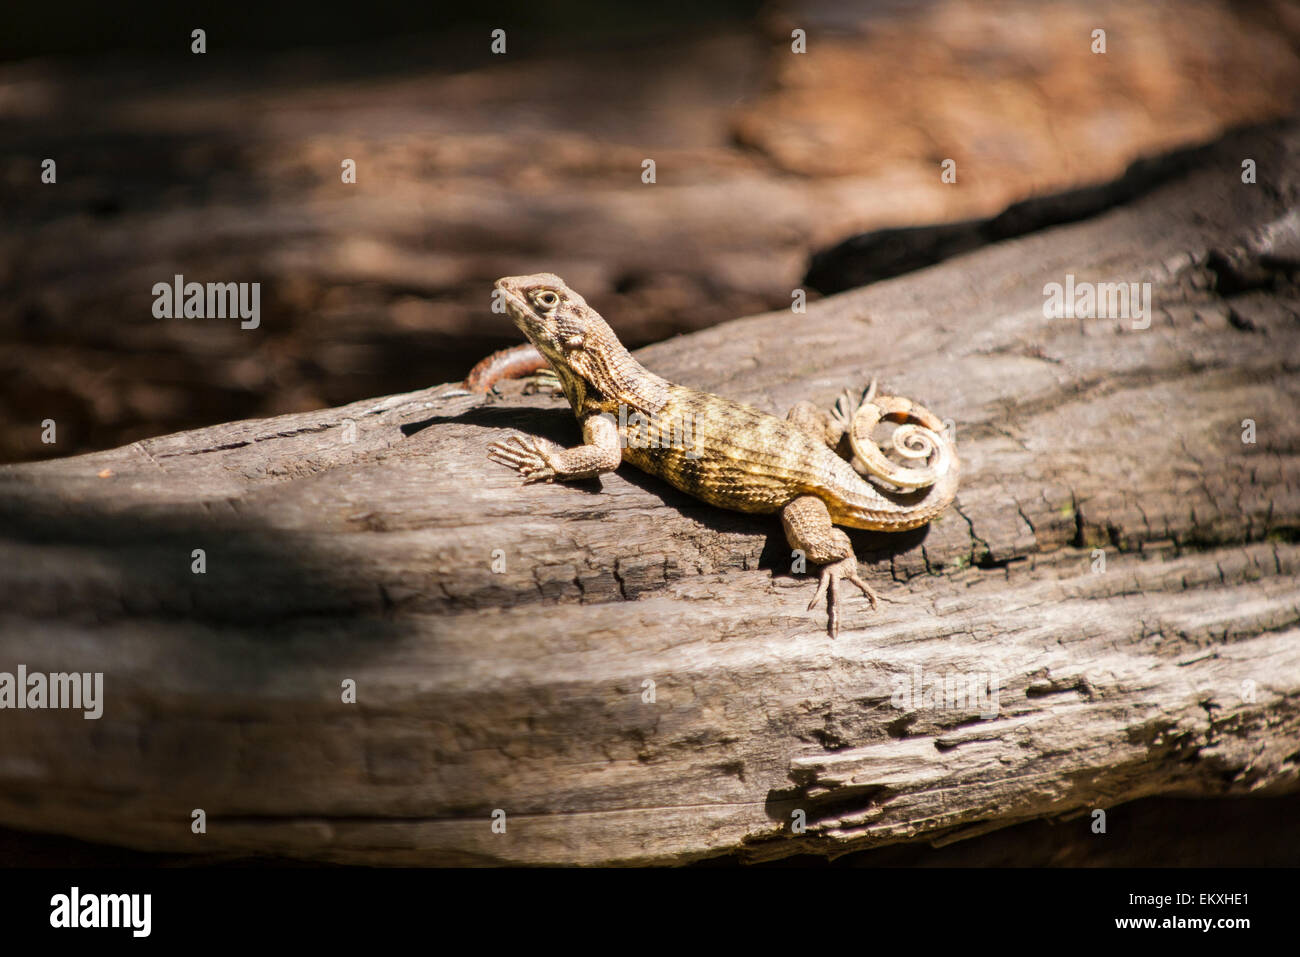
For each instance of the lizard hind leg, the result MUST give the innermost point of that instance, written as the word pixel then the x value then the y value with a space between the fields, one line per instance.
pixel 823 426
pixel 808 527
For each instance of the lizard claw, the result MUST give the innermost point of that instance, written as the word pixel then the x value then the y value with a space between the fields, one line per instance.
pixel 847 405
pixel 846 568
pixel 544 380
pixel 527 456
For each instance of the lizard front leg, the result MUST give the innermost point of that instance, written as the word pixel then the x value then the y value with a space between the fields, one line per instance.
pixel 538 460
pixel 808 527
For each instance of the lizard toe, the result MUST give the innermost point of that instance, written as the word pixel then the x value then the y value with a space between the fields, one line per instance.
pixel 505 455
pixel 866 589
pixel 543 381
pixel 540 472
pixel 532 465
pixel 527 456
pixel 831 574
pixel 847 405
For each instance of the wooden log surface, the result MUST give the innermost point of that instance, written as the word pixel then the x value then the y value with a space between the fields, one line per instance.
pixel 1120 566
pixel 472 166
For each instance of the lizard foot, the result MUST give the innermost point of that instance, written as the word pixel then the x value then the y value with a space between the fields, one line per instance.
pixel 845 568
pixel 544 380
pixel 847 405
pixel 530 457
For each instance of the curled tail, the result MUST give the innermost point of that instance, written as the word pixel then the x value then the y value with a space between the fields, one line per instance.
pixel 920 435
pixel 918 494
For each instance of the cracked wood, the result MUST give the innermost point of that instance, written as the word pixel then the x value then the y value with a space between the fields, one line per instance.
pixel 358 543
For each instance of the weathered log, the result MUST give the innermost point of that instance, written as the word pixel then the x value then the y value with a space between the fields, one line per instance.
pixel 1120 566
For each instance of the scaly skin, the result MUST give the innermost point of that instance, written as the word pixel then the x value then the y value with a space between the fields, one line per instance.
pixel 722 452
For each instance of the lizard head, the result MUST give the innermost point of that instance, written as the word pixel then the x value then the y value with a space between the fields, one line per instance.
pixel 553 317
pixel 571 335
pixel 595 371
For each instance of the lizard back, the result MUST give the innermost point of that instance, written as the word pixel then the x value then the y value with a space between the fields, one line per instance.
pixel 731 455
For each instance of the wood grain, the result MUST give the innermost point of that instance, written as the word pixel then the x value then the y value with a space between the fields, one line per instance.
pixel 1175 671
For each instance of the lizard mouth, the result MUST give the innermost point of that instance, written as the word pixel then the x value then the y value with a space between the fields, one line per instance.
pixel 520 313
pixel 515 303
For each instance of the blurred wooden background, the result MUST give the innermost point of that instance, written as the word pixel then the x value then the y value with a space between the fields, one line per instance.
pixel 226 167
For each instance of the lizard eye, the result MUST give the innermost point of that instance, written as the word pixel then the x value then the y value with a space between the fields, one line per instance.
pixel 547 299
